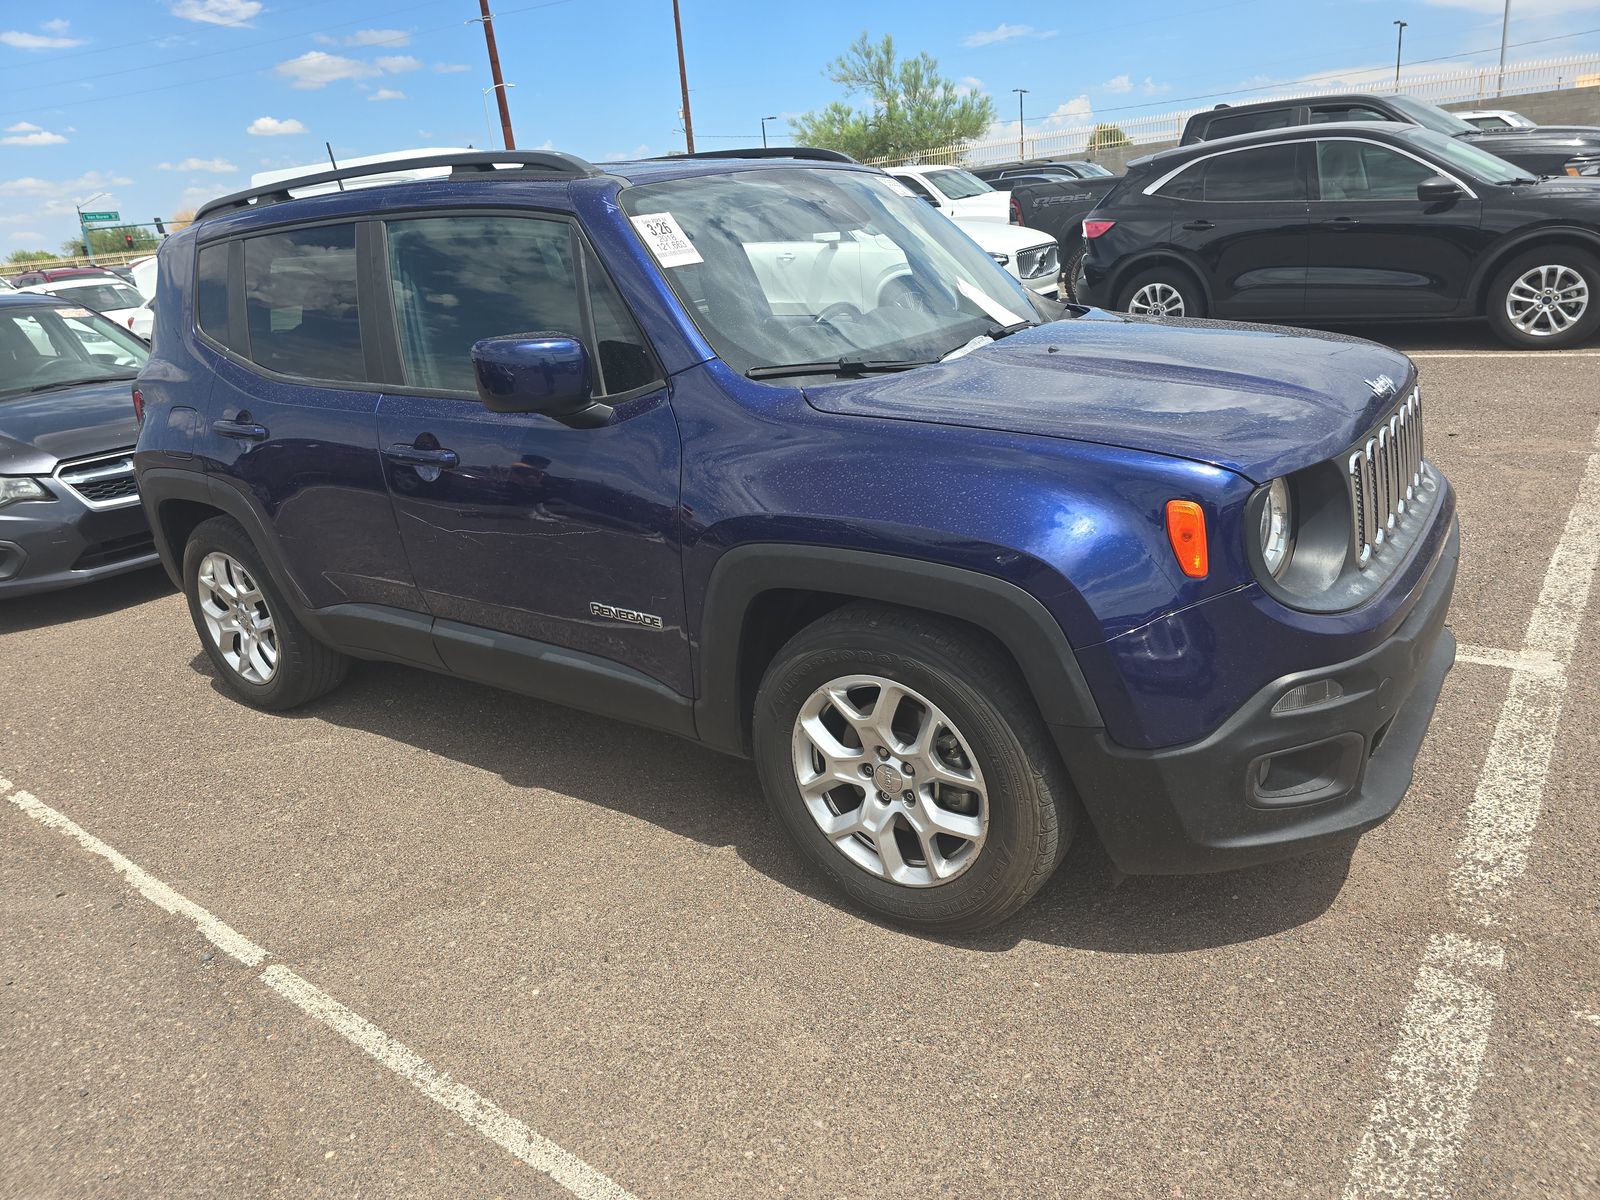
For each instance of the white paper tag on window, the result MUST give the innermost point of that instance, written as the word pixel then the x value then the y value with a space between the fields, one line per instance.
pixel 667 240
pixel 993 310
pixel 898 188
pixel 73 312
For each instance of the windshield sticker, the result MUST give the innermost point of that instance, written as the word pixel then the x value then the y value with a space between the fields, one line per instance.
pixel 991 309
pixel 667 240
pixel 73 312
pixel 898 188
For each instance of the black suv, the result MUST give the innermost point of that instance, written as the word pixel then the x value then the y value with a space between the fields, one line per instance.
pixel 1349 222
pixel 1551 151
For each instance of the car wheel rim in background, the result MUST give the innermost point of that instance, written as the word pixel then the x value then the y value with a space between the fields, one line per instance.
pixel 890 780
pixel 1157 300
pixel 237 617
pixel 1547 300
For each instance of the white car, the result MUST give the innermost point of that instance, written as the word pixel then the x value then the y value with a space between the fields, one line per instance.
pixel 1028 254
pixel 955 193
pixel 1496 119
pixel 144 275
pixel 143 319
pixel 108 296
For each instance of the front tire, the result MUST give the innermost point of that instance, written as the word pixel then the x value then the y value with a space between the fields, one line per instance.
pixel 904 757
pixel 261 652
pixel 1546 298
pixel 1162 291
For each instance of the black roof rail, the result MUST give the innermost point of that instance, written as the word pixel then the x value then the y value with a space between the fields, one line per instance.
pixel 544 163
pixel 814 153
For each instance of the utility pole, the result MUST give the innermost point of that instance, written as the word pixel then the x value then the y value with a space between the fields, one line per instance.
pixel 494 70
pixel 1505 29
pixel 83 230
pixel 1022 146
pixel 1399 40
pixel 683 80
pixel 764 121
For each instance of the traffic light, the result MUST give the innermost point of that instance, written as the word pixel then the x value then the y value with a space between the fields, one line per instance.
pixel 161 229
pixel 128 238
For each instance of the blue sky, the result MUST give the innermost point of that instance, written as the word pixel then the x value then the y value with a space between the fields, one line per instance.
pixel 164 103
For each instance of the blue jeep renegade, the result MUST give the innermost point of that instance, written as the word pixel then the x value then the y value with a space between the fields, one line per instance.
pixel 762 451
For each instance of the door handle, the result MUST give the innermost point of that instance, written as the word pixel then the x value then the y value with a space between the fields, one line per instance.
pixel 1341 222
pixel 1200 225
pixel 415 456
pixel 786 256
pixel 245 430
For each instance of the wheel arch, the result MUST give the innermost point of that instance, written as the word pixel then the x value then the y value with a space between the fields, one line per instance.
pixel 1160 256
pixel 759 595
pixel 1569 235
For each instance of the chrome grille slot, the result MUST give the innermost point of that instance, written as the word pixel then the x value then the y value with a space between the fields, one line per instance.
pixel 106 481
pixel 1384 475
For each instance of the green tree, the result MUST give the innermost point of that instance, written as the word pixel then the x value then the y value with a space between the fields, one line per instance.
pixel 30 256
pixel 1106 136
pixel 909 108
pixel 113 240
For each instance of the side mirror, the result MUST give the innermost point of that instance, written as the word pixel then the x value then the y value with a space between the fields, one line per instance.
pixel 1438 189
pixel 545 373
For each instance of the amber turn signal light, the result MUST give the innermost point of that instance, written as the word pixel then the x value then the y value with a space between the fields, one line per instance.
pixel 1186 530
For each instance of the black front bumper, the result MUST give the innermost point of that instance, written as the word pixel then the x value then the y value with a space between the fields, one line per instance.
pixel 1271 785
pixel 60 543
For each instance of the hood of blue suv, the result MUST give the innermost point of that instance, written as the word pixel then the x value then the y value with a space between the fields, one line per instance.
pixel 41 429
pixel 1258 400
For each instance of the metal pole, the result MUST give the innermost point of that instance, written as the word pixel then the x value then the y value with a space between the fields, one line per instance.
pixel 494 71
pixel 1505 29
pixel 764 121
pixel 683 80
pixel 83 232
pixel 1399 40
pixel 1022 147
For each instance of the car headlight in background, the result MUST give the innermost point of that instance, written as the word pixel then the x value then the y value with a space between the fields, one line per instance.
pixel 1038 261
pixel 20 487
pixel 1277 527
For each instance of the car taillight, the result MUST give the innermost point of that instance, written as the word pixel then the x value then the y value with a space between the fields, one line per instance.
pixel 138 406
pixel 1016 212
pixel 1093 229
pixel 130 322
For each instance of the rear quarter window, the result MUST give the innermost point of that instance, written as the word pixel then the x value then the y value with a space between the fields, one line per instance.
pixel 300 303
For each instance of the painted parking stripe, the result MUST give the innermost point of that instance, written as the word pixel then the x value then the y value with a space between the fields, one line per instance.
pixel 483 1115
pixel 1552 355
pixel 1416 1125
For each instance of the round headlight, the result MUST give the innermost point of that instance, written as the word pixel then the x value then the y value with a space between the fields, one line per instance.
pixel 1277 524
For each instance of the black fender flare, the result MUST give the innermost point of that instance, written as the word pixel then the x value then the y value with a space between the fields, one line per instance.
pixel 1498 254
pixel 1020 622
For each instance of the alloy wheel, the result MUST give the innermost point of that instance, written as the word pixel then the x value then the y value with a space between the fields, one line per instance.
pixel 890 781
pixel 237 617
pixel 1156 300
pixel 1547 300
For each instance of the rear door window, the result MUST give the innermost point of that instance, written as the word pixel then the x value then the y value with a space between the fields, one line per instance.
pixel 301 305
pixel 1265 173
pixel 1346 112
pixel 1271 118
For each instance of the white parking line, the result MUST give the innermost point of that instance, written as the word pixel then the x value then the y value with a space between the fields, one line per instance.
pixel 483 1115
pixel 1416 1125
pixel 1552 355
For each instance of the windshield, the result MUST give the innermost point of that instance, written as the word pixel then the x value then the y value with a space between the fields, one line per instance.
pixel 102 297
pixel 49 347
pixel 1467 158
pixel 1090 170
pixel 1431 116
pixel 809 265
pixel 958 185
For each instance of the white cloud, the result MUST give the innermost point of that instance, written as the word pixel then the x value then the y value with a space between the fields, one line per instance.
pixel 217 166
pixel 451 68
pixel 386 94
pixel 969 85
pixel 1120 83
pixel 27 235
pixel 38 41
pixel 394 64
pixel 272 127
pixel 217 12
pixel 378 37
pixel 38 138
pixel 1005 33
pixel 316 69
pixel 1151 88
pixel 24 127
pixel 56 26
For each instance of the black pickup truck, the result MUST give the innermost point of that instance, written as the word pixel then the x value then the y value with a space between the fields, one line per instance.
pixel 1554 150
pixel 1058 208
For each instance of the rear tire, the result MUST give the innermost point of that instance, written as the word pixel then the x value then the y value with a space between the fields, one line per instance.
pixel 1162 291
pixel 261 652
pixel 1069 274
pixel 904 757
pixel 1546 298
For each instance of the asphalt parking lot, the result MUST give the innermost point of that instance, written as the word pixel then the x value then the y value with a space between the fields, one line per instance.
pixel 484 946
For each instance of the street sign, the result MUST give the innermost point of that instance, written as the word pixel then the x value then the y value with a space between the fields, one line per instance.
pixel 101 216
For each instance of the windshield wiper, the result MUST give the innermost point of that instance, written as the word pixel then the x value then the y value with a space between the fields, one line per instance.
pixel 995 332
pixel 837 366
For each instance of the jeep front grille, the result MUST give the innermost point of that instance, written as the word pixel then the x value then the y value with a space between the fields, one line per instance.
pixel 105 481
pixel 1384 474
